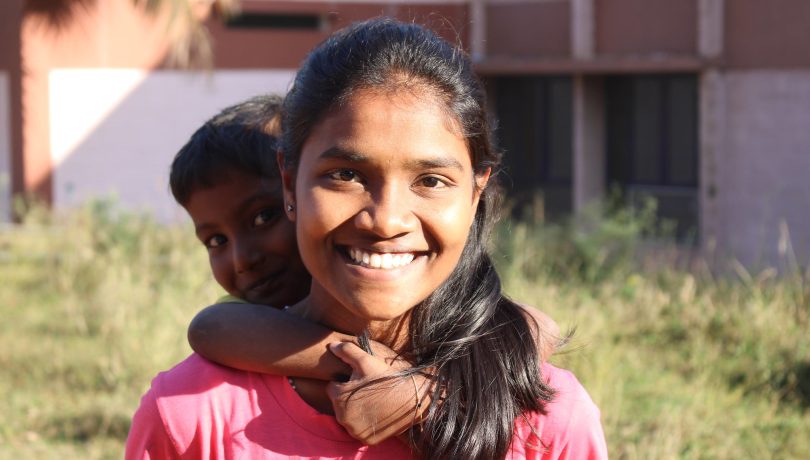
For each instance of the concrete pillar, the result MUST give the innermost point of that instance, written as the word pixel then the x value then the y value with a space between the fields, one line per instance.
pixel 589 158
pixel 712 121
pixel 712 140
pixel 582 29
pixel 710 28
pixel 5 147
pixel 12 162
pixel 478 30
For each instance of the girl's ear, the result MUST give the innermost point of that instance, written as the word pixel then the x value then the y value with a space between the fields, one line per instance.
pixel 288 185
pixel 480 184
pixel 481 180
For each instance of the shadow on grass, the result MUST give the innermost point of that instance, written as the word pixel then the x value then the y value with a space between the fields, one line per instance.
pixel 802 386
pixel 91 424
pixel 794 385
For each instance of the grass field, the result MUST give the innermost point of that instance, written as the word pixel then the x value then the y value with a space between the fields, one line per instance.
pixel 683 364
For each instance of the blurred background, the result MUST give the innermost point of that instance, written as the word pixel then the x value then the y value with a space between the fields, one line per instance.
pixel 657 154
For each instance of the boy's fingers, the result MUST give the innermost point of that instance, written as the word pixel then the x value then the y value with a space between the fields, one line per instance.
pixel 362 363
pixel 334 391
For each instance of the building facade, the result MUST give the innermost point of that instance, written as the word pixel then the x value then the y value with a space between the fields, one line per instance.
pixel 702 104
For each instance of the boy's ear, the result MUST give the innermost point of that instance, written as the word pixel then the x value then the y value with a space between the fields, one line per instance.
pixel 288 186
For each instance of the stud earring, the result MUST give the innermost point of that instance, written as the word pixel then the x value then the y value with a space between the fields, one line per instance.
pixel 290 207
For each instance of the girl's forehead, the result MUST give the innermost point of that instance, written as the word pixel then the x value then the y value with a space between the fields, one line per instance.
pixel 399 102
pixel 383 124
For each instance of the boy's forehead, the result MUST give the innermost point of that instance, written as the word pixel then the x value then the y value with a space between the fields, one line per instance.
pixel 232 193
pixel 240 182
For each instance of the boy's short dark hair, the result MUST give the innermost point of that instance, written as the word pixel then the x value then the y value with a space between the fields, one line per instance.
pixel 243 137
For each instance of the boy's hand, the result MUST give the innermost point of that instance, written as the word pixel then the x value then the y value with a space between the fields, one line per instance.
pixel 375 412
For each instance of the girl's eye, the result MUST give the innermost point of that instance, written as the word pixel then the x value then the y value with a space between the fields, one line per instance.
pixel 432 182
pixel 344 175
pixel 264 216
pixel 215 241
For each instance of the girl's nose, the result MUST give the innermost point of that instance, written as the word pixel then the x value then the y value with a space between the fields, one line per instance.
pixel 388 215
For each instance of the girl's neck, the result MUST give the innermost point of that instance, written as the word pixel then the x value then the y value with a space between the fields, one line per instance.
pixel 392 333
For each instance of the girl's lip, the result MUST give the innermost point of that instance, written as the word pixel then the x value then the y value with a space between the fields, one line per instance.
pixel 382 249
pixel 379 274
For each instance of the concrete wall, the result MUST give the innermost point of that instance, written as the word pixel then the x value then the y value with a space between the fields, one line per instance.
pixel 286 48
pixel 120 34
pixel 109 33
pixel 121 141
pixel 762 172
pixel 528 29
pixel 772 34
pixel 628 27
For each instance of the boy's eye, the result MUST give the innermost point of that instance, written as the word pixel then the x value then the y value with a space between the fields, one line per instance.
pixel 215 241
pixel 265 216
pixel 344 175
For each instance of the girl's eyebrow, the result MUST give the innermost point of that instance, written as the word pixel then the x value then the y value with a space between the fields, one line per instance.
pixel 437 162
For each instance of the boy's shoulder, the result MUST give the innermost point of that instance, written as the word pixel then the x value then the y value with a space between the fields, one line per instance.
pixel 229 299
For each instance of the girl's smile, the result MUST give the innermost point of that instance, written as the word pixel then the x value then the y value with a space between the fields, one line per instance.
pixel 385 195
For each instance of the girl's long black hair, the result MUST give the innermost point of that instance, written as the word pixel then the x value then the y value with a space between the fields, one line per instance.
pixel 477 345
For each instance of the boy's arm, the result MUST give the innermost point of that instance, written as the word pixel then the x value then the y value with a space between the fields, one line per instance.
pixel 263 339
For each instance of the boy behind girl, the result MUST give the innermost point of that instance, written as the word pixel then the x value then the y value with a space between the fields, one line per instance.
pixel 227 179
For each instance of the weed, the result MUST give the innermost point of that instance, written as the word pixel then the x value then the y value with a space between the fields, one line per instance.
pixel 683 364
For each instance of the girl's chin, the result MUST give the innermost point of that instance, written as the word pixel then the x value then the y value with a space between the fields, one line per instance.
pixel 368 310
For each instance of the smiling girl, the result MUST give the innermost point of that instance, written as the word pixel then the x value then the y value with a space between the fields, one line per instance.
pixel 390 177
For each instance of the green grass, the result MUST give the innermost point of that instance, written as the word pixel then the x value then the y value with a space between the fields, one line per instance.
pixel 683 364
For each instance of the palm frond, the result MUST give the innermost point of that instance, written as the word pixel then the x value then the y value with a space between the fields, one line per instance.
pixel 189 40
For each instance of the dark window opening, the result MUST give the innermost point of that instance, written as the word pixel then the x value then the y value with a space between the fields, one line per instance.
pixel 652 144
pixel 535 131
pixel 275 21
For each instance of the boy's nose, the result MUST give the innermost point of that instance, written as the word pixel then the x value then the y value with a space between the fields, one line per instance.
pixel 246 257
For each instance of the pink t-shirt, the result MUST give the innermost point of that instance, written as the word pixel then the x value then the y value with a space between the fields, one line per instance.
pixel 200 410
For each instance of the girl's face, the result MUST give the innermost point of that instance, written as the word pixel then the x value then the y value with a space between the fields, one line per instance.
pixel 384 198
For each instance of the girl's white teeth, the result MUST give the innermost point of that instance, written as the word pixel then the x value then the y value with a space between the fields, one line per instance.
pixel 386 260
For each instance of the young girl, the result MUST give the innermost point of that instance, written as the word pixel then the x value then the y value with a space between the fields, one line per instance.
pixel 389 176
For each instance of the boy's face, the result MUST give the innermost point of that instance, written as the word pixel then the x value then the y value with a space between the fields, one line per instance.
pixel 251 244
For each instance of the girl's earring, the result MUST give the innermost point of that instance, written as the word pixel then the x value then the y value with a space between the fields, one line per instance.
pixel 290 207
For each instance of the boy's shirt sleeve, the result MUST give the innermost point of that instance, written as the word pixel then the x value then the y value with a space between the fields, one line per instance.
pixel 229 299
